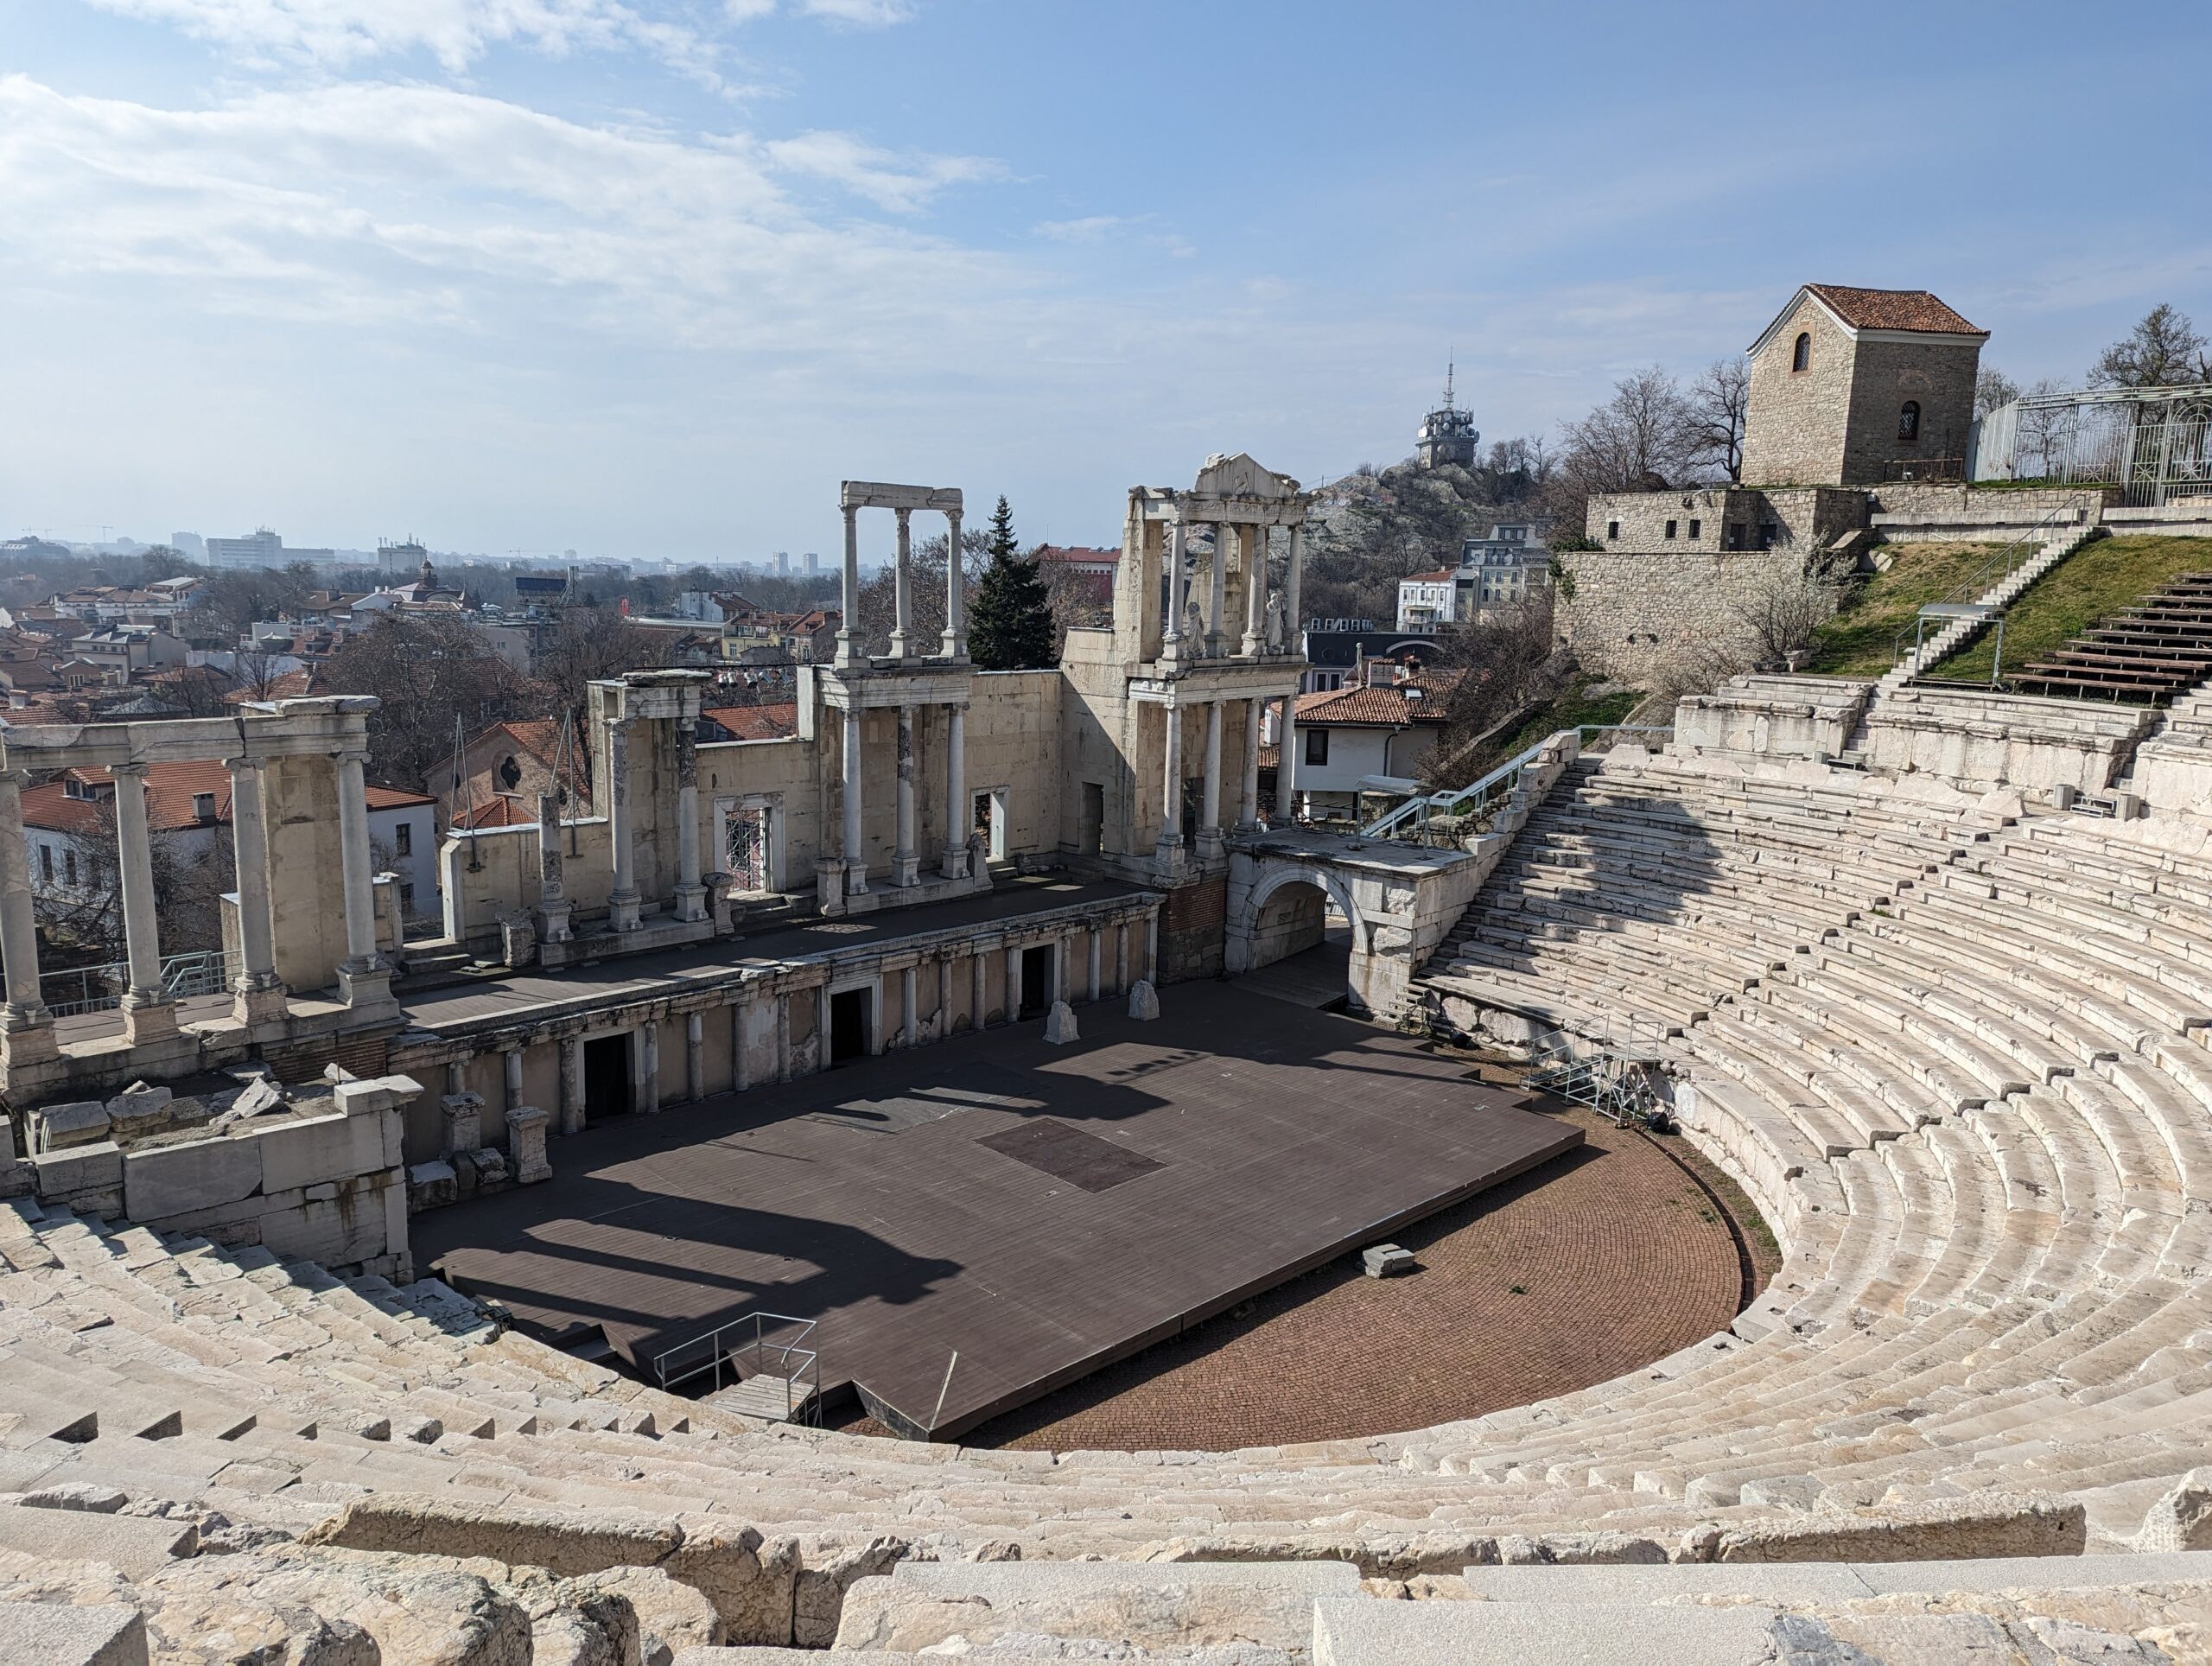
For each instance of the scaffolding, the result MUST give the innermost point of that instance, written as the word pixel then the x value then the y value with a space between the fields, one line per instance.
pixel 2154 445
pixel 1616 1076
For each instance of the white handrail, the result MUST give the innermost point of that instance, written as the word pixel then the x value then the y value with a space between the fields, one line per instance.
pixel 1451 800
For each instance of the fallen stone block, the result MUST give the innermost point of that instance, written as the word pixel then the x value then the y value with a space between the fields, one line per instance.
pixel 1144 1000
pixel 1060 1026
pixel 2182 1520
pixel 134 1546
pixel 58 1128
pixel 1386 1261
pixel 1977 1524
pixel 64 1634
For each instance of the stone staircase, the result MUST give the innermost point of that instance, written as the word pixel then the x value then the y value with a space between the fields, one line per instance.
pixel 1955 635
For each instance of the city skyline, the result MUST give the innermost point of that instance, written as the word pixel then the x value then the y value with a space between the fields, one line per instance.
pixel 648 282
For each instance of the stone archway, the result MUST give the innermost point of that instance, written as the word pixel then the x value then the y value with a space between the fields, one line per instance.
pixel 1260 930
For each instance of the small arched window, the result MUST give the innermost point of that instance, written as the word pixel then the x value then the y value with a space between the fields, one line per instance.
pixel 1800 356
pixel 1909 420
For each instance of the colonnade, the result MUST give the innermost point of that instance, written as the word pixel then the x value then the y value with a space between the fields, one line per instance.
pixel 906 855
pixel 902 501
pixel 1093 962
pixel 1248 808
pixel 149 1009
pixel 624 903
pixel 1210 641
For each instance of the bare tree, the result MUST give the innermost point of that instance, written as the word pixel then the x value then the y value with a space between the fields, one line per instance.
pixel 424 669
pixel 2043 434
pixel 587 643
pixel 2163 350
pixel 1781 615
pixel 1642 438
pixel 1718 401
pixel 257 673
pixel 1992 388
pixel 1507 665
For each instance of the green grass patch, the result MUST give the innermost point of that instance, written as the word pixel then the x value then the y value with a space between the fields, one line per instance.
pixel 1861 640
pixel 1574 707
pixel 2093 583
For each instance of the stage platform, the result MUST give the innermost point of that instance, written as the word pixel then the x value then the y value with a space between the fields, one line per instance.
pixel 1041 1211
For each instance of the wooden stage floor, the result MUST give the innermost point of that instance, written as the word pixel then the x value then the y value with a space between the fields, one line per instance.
pixel 1043 1211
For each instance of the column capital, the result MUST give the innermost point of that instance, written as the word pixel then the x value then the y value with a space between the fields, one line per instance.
pixel 905 515
pixel 134 770
pixel 245 765
pixel 351 756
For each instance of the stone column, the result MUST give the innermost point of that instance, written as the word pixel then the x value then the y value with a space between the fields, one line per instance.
pixel 1012 985
pixel 1210 809
pixel 979 977
pixel 851 613
pixel 1256 590
pixel 511 1078
pixel 1152 946
pixel 363 973
pixel 958 814
pixel 1171 812
pixel 1224 536
pixel 695 1056
pixel 945 997
pixel 1121 957
pixel 909 1001
pixel 148 1011
pixel 1097 937
pixel 855 864
pixel 784 1038
pixel 905 861
pixel 572 1084
pixel 646 1068
pixel 24 1010
pixel 898 584
pixel 1144 993
pixel 956 591
pixel 1294 569
pixel 690 890
pixel 259 996
pixel 1287 765
pixel 553 909
pixel 1248 801
pixel 622 902
pixel 1171 645
pixel 821 1060
pixel 740 1067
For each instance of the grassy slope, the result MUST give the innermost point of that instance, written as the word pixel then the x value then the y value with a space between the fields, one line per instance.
pixel 1575 706
pixel 1861 640
pixel 2088 585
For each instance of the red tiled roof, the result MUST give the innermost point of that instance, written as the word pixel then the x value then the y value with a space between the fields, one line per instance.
pixel 1075 552
pixel 541 738
pixel 1436 577
pixel 1384 706
pixel 171 789
pixel 393 797
pixel 497 812
pixel 1893 309
pixel 771 722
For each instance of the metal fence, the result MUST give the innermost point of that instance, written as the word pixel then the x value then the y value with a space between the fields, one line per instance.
pixel 1447 816
pixel 99 988
pixel 2154 444
pixel 747 1349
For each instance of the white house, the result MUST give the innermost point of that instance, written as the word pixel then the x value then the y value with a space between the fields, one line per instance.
pixel 1382 731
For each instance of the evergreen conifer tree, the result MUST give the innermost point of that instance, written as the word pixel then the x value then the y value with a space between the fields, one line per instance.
pixel 1010 616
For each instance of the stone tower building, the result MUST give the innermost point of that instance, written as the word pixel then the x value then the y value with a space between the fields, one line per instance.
pixel 1447 433
pixel 1851 387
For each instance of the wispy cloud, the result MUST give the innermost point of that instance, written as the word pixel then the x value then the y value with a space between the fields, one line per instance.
pixel 898 182
pixel 859 14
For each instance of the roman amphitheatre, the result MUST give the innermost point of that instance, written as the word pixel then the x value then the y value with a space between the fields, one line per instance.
pixel 1787 1122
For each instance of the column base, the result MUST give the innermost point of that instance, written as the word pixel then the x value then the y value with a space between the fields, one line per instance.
pixel 855 879
pixel 1168 854
pixel 690 903
pixel 256 1004
pixel 905 869
pixel 956 645
pixel 553 924
pixel 956 862
pixel 1249 824
pixel 1210 847
pixel 897 645
pixel 367 988
pixel 27 1036
pixel 147 1020
pixel 622 911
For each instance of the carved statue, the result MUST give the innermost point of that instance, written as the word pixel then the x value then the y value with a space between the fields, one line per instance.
pixel 1276 625
pixel 1194 624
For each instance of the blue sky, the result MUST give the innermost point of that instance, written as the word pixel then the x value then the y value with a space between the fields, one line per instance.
pixel 645 280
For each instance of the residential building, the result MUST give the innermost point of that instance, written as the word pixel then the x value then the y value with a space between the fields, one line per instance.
pixel 1372 737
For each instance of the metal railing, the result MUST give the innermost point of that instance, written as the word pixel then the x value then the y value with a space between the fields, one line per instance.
pixel 100 989
pixel 1413 819
pixel 1606 1075
pixel 2000 566
pixel 721 1349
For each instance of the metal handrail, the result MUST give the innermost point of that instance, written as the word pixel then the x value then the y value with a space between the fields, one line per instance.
pixel 1993 572
pixel 798 1363
pixel 196 971
pixel 1456 800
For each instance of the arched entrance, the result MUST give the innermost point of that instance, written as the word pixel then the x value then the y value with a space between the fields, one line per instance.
pixel 1289 909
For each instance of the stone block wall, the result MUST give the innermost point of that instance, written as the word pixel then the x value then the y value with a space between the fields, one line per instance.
pixel 1939 375
pixel 1720 519
pixel 1796 421
pixel 1633 615
pixel 1191 930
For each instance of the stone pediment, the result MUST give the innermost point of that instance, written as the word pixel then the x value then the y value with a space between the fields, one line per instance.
pixel 1240 476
